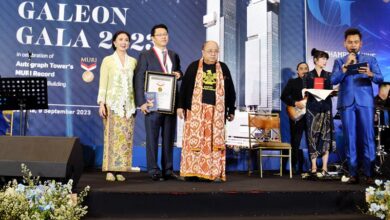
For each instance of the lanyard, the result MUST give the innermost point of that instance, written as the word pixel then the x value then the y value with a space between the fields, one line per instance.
pixel 163 65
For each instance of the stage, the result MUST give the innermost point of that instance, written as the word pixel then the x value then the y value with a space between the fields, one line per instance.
pixel 241 197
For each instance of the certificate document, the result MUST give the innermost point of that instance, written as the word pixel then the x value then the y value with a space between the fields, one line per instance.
pixel 164 85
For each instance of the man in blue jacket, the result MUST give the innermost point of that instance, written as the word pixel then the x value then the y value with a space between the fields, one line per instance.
pixel 356 104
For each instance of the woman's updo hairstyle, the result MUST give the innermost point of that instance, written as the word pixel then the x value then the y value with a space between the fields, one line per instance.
pixel 317 54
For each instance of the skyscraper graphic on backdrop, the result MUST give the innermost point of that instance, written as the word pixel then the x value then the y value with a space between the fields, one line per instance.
pixel 248 35
pixel 225 23
pixel 262 65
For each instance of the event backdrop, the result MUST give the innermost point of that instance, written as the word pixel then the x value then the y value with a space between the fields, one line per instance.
pixel 69 38
pixel 328 19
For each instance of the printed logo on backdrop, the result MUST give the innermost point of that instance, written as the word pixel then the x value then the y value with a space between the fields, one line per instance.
pixel 343 6
pixel 88 64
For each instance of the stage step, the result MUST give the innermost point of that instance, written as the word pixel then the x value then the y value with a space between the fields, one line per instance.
pixel 241 196
pixel 291 217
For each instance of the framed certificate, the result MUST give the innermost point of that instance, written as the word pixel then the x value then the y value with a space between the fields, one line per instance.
pixel 164 85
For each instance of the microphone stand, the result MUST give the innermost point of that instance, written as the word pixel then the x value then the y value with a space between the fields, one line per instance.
pixel 26 114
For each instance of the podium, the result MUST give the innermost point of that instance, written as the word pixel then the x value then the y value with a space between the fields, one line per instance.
pixel 24 93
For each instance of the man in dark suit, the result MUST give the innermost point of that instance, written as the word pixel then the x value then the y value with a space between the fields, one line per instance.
pixel 159 59
pixel 356 103
pixel 292 96
pixel 3 124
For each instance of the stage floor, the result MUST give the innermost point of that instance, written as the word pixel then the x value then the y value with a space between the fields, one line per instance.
pixel 236 182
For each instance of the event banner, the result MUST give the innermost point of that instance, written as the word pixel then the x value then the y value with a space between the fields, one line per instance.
pixel 65 41
pixel 328 19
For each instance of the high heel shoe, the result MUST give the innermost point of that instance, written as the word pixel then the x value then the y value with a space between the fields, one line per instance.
pixel 120 177
pixel 323 174
pixel 110 177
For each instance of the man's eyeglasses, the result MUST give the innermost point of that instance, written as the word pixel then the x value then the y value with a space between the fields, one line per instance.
pixel 161 35
pixel 212 51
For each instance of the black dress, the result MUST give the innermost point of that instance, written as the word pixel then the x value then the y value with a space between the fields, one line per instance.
pixel 319 119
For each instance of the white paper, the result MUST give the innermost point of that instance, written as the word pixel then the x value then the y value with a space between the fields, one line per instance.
pixel 319 94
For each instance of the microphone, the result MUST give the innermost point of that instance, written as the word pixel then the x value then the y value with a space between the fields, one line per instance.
pixel 353 52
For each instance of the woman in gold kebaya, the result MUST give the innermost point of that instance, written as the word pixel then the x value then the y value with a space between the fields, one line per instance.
pixel 117 108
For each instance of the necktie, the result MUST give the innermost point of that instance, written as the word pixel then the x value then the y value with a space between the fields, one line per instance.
pixel 164 54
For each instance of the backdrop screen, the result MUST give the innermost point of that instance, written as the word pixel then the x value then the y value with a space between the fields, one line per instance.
pixel 67 41
pixel 328 19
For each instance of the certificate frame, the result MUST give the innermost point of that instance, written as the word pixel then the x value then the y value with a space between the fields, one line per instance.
pixel 164 84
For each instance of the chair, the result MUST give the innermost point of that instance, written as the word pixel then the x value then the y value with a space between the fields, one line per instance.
pixel 9 118
pixel 264 135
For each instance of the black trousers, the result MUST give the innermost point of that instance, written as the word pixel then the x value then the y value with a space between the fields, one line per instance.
pixel 154 123
pixel 296 131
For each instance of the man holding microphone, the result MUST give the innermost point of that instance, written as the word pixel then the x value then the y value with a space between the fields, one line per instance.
pixel 356 104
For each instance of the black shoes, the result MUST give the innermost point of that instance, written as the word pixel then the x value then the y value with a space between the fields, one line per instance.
pixel 173 176
pixel 353 180
pixel 370 181
pixel 157 177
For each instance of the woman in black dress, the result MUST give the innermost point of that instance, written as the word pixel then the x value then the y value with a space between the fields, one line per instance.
pixel 319 119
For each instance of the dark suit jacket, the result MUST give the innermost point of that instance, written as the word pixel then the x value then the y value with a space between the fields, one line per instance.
pixel 355 87
pixel 292 92
pixel 148 61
